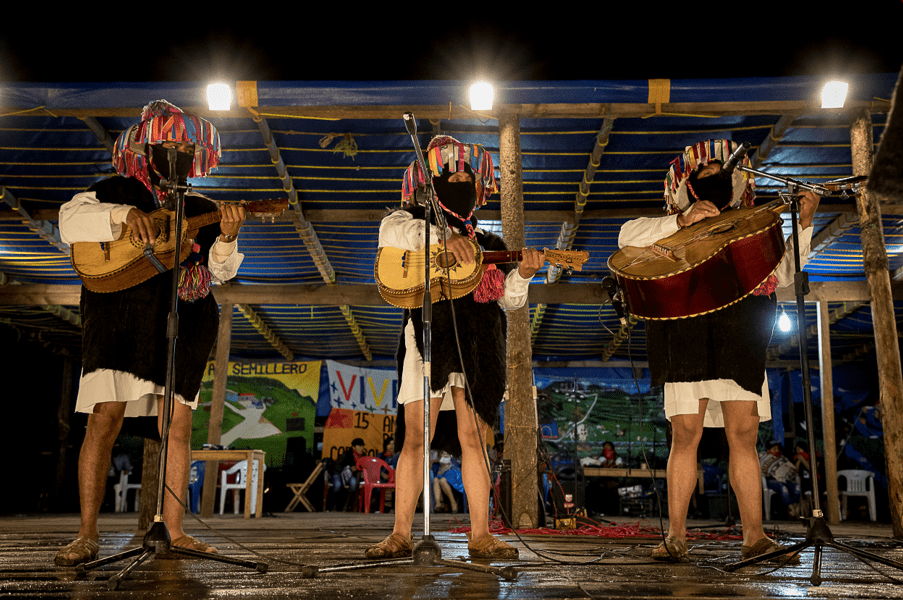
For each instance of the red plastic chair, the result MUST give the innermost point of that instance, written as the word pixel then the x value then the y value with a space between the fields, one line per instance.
pixel 370 467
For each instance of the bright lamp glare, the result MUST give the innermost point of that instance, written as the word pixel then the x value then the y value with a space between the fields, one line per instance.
pixel 481 96
pixel 833 94
pixel 219 96
pixel 784 322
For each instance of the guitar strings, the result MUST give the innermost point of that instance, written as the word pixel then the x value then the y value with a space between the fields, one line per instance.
pixel 650 255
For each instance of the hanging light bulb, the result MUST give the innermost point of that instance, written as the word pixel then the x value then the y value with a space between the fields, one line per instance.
pixel 784 322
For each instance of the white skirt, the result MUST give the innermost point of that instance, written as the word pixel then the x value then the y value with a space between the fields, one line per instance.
pixel 107 385
pixel 411 389
pixel 683 399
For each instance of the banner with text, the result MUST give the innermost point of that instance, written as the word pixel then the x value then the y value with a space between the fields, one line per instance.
pixel 343 425
pixel 355 388
pixel 266 404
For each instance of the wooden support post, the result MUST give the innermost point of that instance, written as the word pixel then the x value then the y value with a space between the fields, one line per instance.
pixel 890 377
pixel 825 373
pixel 150 473
pixel 520 407
pixel 217 407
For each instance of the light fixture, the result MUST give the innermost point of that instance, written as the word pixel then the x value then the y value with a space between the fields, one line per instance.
pixel 784 322
pixel 481 96
pixel 833 94
pixel 219 96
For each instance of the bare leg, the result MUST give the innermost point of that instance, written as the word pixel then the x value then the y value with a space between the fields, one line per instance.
pixel 409 472
pixel 741 426
pixel 177 465
pixel 446 487
pixel 474 472
pixel 682 468
pixel 94 462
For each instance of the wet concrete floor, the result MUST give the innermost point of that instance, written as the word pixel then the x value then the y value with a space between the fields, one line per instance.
pixel 550 566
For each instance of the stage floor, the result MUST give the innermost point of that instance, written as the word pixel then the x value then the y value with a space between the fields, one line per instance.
pixel 589 567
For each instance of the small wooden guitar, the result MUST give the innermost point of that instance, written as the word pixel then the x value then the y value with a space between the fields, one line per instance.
pixel 400 273
pixel 127 261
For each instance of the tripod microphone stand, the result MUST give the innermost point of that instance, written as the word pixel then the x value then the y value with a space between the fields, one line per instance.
pixel 818 534
pixel 427 552
pixel 157 538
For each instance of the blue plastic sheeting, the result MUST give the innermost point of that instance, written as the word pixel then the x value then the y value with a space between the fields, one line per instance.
pixel 414 93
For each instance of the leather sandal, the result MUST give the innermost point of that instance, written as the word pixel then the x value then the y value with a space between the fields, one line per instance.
pixel 766 545
pixel 672 550
pixel 188 543
pixel 78 551
pixel 491 547
pixel 394 546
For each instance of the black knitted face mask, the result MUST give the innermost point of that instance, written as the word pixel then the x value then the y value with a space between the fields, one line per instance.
pixel 717 189
pixel 160 164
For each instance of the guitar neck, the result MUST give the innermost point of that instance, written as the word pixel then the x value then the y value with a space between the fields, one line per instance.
pixel 502 256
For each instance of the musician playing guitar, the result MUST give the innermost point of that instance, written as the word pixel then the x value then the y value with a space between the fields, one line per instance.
pixel 463 178
pixel 124 332
pixel 712 366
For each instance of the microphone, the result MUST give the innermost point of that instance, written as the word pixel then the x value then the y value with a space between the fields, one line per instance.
pixel 735 159
pixel 409 123
pixel 610 285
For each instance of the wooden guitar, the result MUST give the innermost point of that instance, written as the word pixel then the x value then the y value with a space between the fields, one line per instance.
pixel 126 261
pixel 400 273
pixel 704 267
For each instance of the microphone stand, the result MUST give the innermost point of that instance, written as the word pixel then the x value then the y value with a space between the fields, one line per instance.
pixel 427 552
pixel 157 538
pixel 818 534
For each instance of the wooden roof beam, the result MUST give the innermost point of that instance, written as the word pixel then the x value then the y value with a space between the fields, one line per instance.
pixel 302 226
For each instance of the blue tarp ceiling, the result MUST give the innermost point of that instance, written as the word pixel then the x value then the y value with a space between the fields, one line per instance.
pixel 48 153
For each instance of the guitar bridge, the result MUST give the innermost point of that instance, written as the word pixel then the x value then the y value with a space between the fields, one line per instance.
pixel 663 251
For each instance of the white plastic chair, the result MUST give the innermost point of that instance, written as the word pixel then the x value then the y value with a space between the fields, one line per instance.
pixel 240 470
pixel 766 498
pixel 858 483
pixel 121 493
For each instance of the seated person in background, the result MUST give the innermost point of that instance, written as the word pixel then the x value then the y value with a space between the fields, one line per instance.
pixel 345 473
pixel 781 477
pixel 446 481
pixel 609 457
pixel 388 455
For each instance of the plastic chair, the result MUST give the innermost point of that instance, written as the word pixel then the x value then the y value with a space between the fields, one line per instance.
pixel 858 483
pixel 196 484
pixel 121 493
pixel 240 470
pixel 766 498
pixel 370 467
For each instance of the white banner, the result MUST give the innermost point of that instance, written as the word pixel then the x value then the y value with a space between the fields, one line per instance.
pixel 372 390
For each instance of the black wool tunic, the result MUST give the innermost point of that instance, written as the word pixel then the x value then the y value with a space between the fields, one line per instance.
pixel 126 330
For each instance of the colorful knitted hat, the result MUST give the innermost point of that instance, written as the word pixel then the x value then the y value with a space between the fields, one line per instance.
pixel 446 153
pixel 697 156
pixel 165 122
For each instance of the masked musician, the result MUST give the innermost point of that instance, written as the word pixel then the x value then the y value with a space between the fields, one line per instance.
pixel 463 178
pixel 124 332
pixel 712 366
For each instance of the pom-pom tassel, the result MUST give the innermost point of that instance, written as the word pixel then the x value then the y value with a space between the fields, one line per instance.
pixel 492 286
pixel 194 283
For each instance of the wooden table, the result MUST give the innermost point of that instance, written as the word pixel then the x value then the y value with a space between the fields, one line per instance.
pixel 214 457
pixel 647 473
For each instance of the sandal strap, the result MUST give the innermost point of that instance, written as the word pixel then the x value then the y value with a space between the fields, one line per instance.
pixel 393 545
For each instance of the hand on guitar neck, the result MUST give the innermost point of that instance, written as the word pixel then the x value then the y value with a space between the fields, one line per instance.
pixel 231 220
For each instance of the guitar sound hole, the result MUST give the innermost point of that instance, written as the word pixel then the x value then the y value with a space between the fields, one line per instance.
pixel 445 261
pixel 723 228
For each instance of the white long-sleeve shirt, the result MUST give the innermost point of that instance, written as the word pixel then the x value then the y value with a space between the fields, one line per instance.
pixel 401 230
